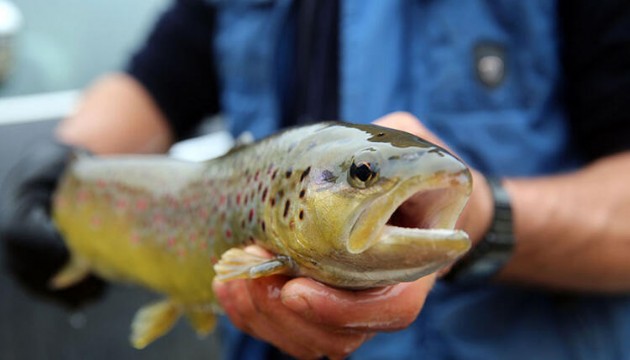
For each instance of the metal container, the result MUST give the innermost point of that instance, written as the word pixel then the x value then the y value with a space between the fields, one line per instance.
pixel 10 24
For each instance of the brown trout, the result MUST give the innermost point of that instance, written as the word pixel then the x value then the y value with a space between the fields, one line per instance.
pixel 322 198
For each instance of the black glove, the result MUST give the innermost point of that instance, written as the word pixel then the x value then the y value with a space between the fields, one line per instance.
pixel 34 250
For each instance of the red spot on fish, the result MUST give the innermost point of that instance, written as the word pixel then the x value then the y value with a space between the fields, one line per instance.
pixel 159 218
pixel 121 204
pixel 203 213
pixel 251 215
pixel 228 233
pixel 142 204
pixel 135 238
pixel 171 241
pixel 96 221
pixel 264 194
pixel 83 195
pixel 256 176
pixel 222 200
pixel 238 199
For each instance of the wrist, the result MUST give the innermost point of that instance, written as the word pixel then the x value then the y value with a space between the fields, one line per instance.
pixel 493 250
pixel 477 215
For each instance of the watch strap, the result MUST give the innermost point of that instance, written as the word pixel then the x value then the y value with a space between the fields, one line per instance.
pixel 495 249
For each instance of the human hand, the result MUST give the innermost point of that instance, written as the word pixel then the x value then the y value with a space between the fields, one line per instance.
pixel 310 320
pixel 34 250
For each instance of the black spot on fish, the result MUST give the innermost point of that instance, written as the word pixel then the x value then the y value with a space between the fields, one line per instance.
pixel 288 173
pixel 287 205
pixel 305 173
pixel 263 226
pixel 301 215
pixel 264 194
pixel 302 193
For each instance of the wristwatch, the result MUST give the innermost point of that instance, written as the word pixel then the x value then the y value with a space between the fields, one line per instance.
pixel 487 258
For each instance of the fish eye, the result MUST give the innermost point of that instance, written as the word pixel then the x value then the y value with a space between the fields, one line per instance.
pixel 363 173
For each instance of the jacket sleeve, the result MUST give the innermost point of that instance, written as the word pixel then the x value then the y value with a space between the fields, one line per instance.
pixel 596 58
pixel 175 65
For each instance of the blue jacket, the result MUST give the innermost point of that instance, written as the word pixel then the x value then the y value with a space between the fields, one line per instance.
pixel 425 57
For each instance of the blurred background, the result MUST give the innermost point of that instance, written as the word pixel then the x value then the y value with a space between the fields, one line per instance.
pixel 49 50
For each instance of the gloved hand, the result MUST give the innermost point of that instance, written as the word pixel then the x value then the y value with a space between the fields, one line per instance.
pixel 34 250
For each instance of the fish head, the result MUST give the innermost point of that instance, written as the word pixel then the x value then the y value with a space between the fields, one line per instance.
pixel 381 208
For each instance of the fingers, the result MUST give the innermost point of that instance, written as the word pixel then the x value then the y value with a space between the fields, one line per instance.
pixel 255 306
pixel 407 122
pixel 384 309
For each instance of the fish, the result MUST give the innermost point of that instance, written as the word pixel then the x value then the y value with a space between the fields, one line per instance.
pixel 324 199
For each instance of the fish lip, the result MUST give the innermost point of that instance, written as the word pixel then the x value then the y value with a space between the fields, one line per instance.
pixel 461 185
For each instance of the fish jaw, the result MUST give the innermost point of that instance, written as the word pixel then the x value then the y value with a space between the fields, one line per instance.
pixel 434 201
pixel 400 248
pixel 401 255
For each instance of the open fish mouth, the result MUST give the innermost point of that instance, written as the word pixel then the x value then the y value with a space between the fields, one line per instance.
pixel 415 213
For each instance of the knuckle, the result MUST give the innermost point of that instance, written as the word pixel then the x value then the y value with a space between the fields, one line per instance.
pixel 343 349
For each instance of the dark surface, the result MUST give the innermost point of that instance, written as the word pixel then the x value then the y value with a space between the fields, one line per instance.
pixel 31 328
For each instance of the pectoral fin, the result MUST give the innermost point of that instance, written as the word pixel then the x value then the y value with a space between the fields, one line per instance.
pixel 237 263
pixel 73 272
pixel 153 321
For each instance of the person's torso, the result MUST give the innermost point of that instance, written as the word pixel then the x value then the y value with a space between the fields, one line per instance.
pixel 483 75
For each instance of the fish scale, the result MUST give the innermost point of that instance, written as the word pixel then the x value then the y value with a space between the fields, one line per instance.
pixel 318 197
